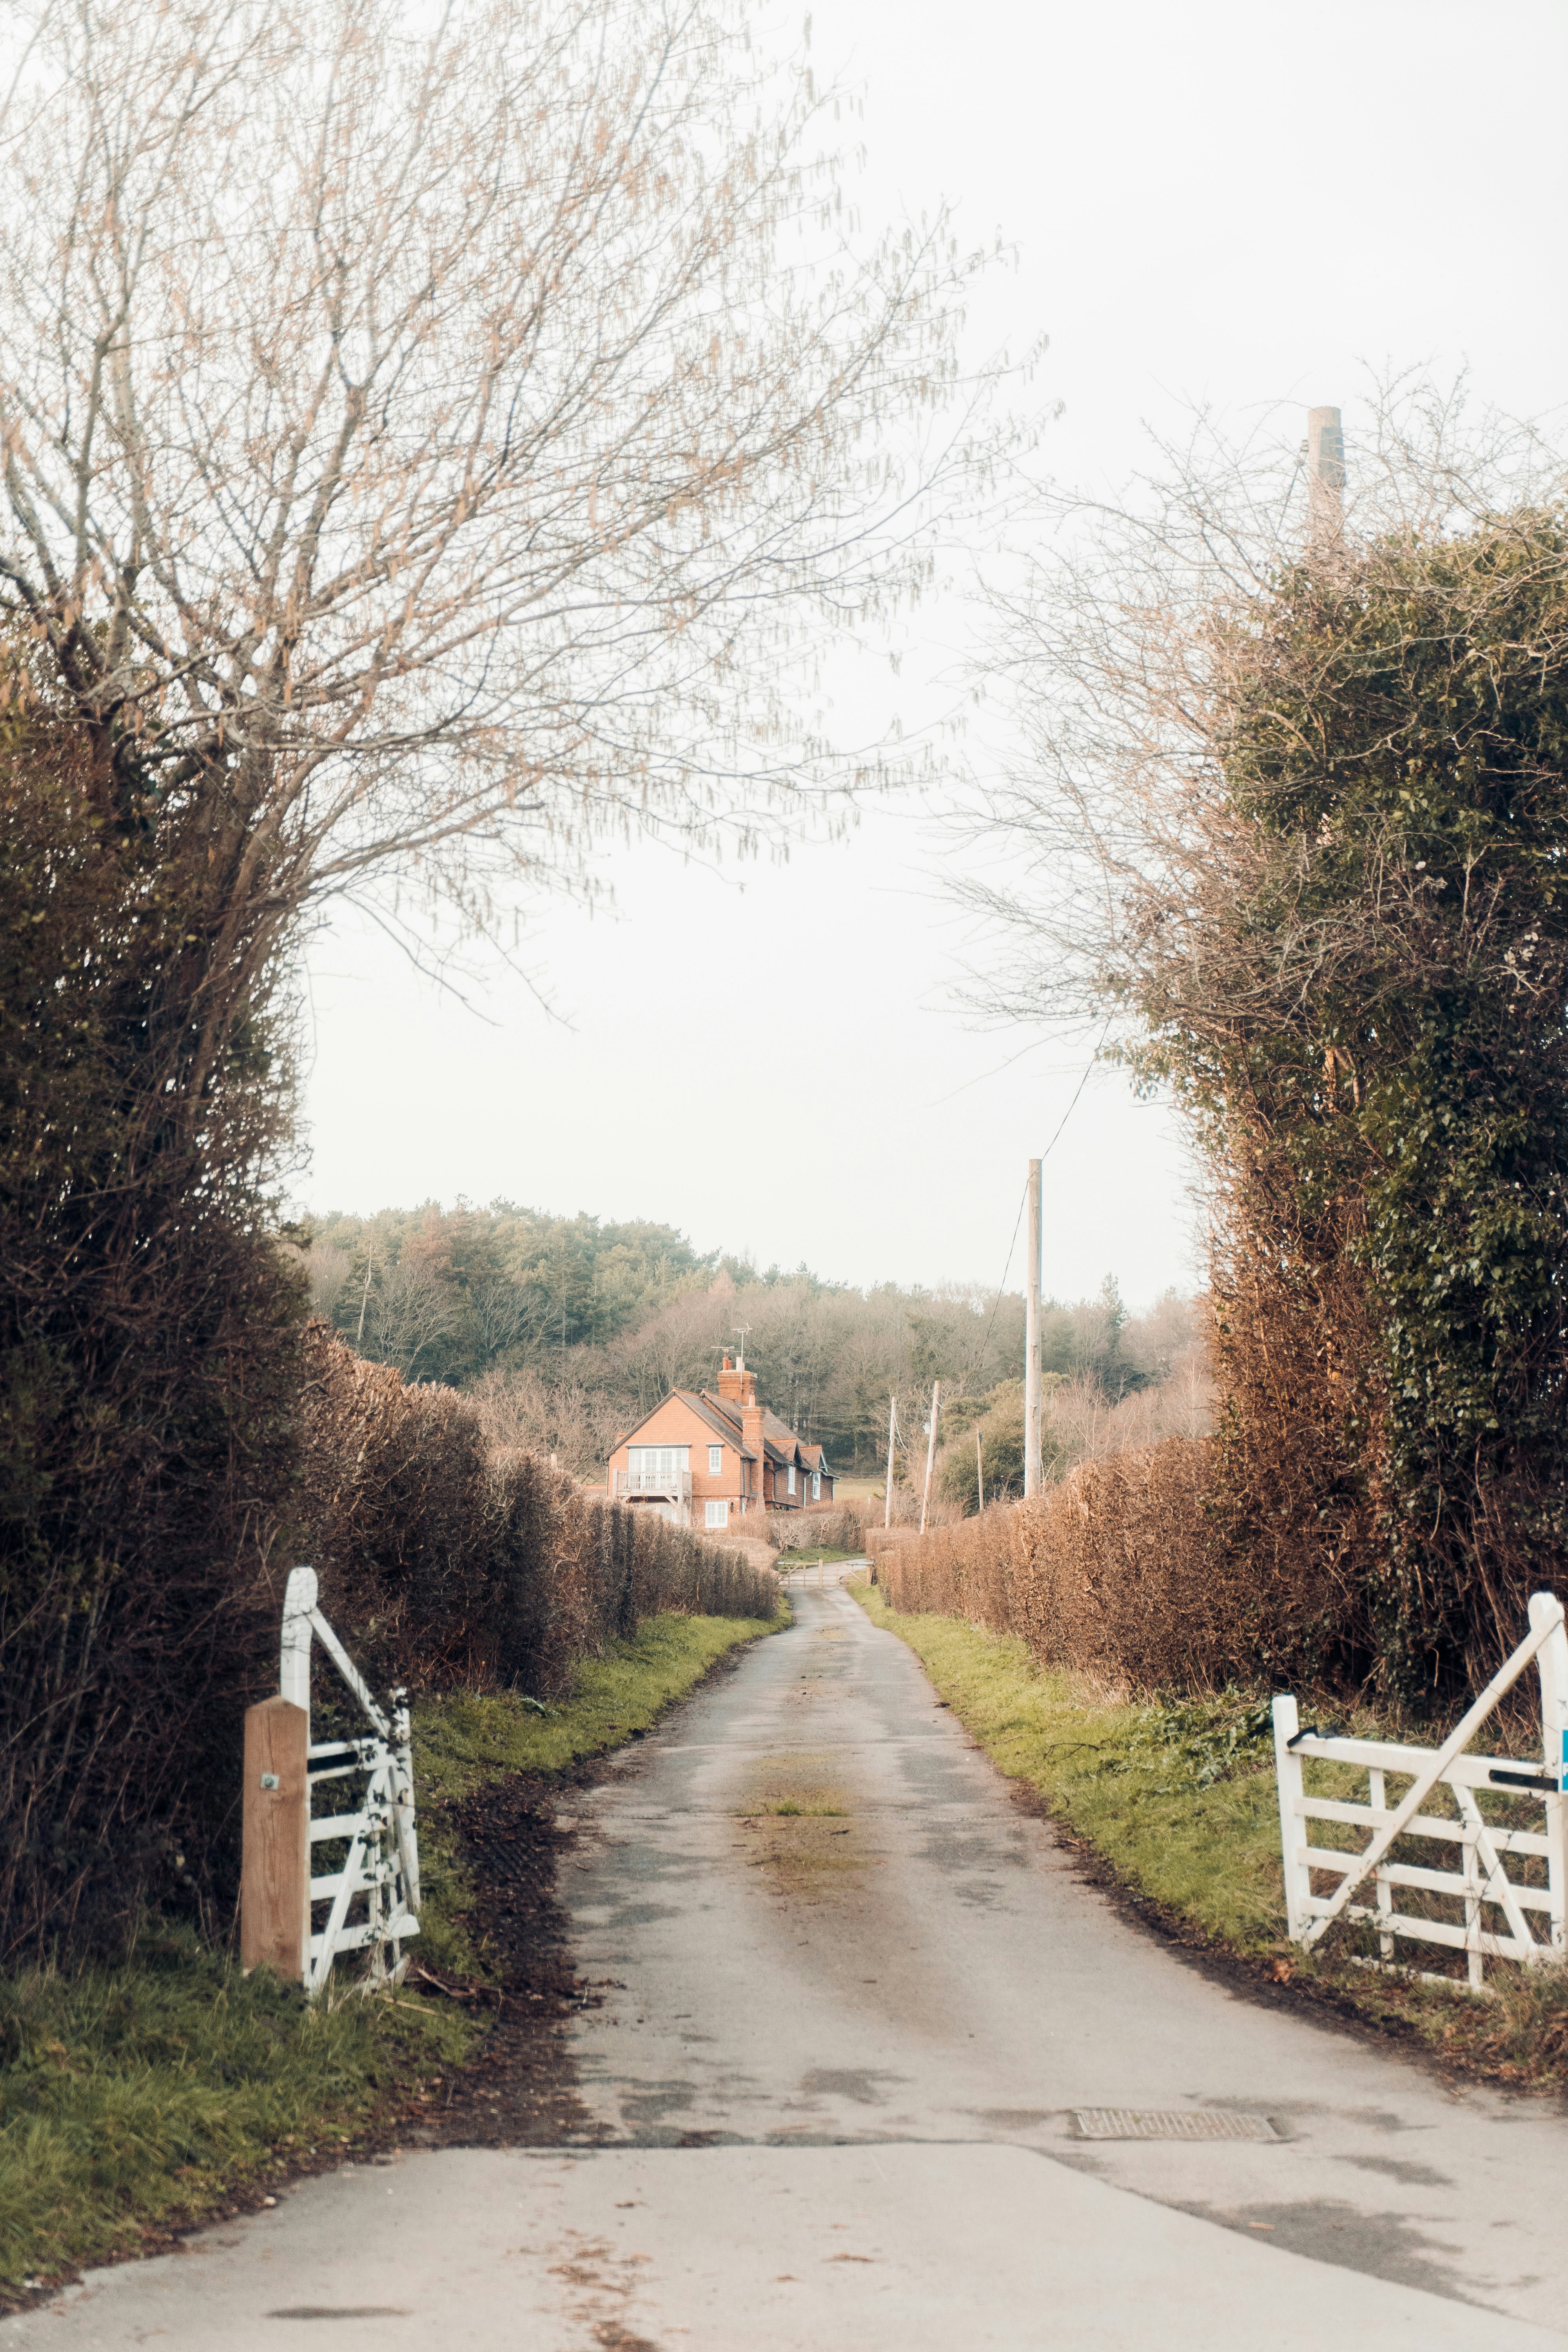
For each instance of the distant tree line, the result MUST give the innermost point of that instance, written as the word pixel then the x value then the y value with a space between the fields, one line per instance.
pixel 573 1328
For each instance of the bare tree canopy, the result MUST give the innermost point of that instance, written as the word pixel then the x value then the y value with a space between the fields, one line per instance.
pixel 1123 656
pixel 427 434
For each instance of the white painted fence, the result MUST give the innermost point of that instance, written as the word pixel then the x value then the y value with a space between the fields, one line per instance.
pixel 373 1900
pixel 1496 1917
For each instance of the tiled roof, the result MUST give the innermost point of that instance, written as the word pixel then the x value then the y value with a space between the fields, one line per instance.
pixel 718 1421
pixel 708 1409
pixel 725 1417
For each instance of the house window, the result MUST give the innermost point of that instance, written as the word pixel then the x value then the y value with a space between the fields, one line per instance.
pixel 816 1485
pixel 656 1469
pixel 791 1478
pixel 715 1460
pixel 716 1514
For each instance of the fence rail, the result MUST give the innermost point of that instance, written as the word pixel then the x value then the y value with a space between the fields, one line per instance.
pixel 1493 1915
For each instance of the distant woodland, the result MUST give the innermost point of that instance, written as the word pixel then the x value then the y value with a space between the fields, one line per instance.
pixel 569 1329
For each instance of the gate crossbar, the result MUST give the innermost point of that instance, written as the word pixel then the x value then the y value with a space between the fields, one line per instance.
pixel 1481 1879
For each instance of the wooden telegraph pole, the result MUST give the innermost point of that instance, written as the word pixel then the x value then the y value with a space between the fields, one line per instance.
pixel 979 1470
pixel 892 1432
pixel 1325 480
pixel 1032 1341
pixel 931 1449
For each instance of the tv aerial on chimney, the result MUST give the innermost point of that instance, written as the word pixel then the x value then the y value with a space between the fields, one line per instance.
pixel 741 1330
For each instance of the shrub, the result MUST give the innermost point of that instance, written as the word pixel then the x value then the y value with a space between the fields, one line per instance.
pixel 148 1340
pixel 1300 825
pixel 830 1526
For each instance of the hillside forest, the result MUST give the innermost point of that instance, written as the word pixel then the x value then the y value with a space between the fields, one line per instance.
pixel 566 1330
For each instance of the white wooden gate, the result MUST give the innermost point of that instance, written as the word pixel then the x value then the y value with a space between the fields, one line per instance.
pixel 372 1899
pixel 1492 1916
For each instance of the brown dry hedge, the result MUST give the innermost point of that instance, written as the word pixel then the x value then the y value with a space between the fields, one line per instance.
pixel 1118 1573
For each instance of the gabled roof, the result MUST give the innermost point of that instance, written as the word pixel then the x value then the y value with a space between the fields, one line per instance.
pixel 707 1410
pixel 772 1452
pixel 724 1416
pixel 780 1435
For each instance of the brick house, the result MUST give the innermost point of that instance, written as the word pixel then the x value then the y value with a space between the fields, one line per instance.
pixel 705 1460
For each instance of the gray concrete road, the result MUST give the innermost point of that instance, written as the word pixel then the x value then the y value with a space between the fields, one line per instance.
pixel 853 1996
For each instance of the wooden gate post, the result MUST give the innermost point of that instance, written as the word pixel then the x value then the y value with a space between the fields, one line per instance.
pixel 274 1869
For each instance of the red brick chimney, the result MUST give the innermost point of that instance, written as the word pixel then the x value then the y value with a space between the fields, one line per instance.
pixel 736 1384
pixel 751 1431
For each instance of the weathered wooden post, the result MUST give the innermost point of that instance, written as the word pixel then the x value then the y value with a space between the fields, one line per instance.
pixel 274 1869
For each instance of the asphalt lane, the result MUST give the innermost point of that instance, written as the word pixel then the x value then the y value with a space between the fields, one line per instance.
pixel 911 1957
pixel 853 1996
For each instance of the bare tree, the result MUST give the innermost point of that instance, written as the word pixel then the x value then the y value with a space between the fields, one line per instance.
pixel 1122 656
pixel 523 1410
pixel 328 1270
pixel 410 1308
pixel 425 437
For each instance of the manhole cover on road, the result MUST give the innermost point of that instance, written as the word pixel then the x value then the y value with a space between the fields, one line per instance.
pixel 1155 2123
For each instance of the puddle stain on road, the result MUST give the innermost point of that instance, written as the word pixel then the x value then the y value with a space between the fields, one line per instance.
pixel 796 1825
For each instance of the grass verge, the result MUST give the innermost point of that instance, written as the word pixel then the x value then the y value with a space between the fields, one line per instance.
pixel 151 2094
pixel 137 2099
pixel 1178 1799
pixel 469 1736
pixel 819 1555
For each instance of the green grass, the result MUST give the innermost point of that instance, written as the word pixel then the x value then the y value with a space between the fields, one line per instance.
pixel 466 1739
pixel 1180 1799
pixel 166 2087
pixel 819 1555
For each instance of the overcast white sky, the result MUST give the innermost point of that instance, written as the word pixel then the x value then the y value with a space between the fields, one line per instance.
pixel 1239 203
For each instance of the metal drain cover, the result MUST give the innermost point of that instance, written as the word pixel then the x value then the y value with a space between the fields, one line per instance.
pixel 1160 2123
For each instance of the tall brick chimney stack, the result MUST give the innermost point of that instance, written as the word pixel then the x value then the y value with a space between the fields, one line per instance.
pixel 736 1384
pixel 752 1431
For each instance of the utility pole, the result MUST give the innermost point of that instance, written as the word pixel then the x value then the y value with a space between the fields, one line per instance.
pixel 1032 1341
pixel 931 1449
pixel 892 1431
pixel 979 1469
pixel 1325 480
